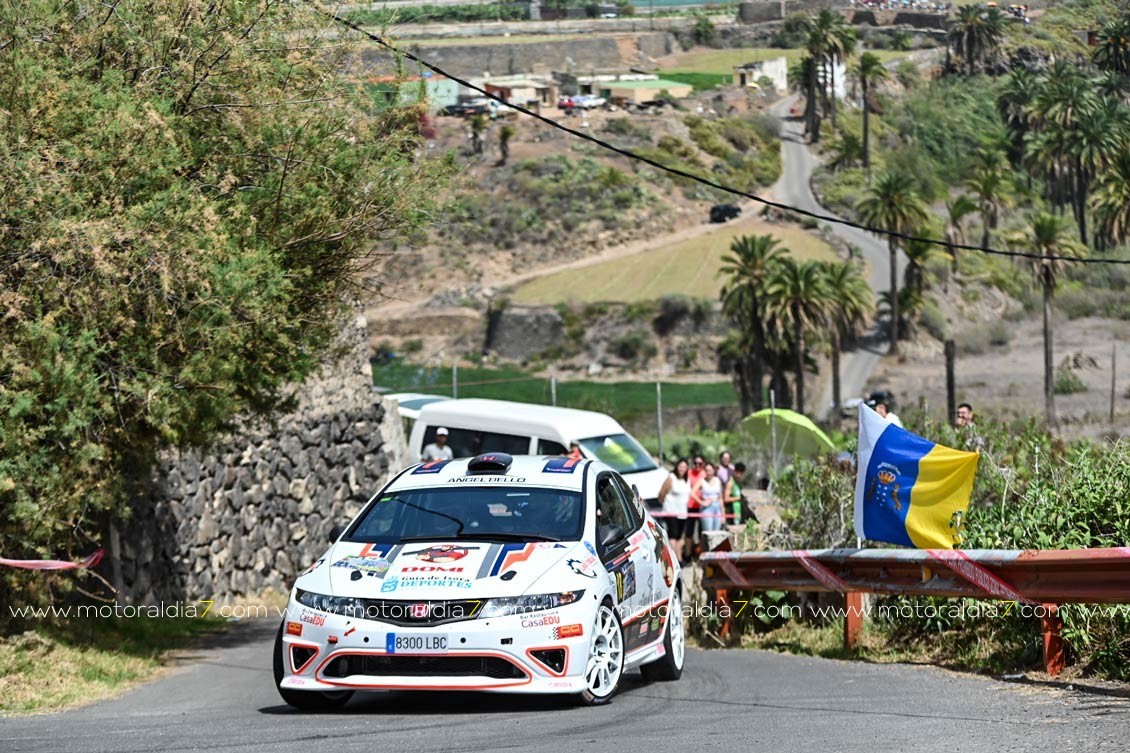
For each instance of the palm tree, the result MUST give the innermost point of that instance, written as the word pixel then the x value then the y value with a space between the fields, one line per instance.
pixel 799 299
pixel 504 135
pixel 838 43
pixel 851 302
pixel 1112 51
pixel 747 268
pixel 870 71
pixel 990 187
pixel 908 303
pixel 917 254
pixel 957 209
pixel 1014 104
pixel 976 35
pixel 1047 235
pixel 478 128
pixel 893 204
pixel 1111 199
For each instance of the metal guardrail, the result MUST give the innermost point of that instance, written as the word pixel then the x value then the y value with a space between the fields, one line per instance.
pixel 1047 577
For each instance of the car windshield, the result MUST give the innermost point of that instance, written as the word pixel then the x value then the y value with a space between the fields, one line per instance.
pixel 621 451
pixel 503 513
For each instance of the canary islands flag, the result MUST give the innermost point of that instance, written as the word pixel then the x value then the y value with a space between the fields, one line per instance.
pixel 909 490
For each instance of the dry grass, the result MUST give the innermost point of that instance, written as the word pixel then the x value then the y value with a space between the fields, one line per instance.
pixel 688 267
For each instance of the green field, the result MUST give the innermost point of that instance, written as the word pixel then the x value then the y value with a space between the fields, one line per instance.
pixel 622 400
pixel 688 267
pixel 723 61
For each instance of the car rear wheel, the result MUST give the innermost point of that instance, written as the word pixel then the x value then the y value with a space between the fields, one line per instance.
pixel 670 666
pixel 605 664
pixel 305 700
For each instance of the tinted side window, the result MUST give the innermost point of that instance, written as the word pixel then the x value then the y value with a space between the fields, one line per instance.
pixel 634 503
pixel 610 506
pixel 508 443
pixel 549 447
pixel 465 443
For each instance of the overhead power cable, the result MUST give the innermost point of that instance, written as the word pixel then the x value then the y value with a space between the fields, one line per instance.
pixel 692 176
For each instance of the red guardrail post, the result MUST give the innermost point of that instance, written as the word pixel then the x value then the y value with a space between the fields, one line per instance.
pixel 853 618
pixel 1052 623
pixel 724 607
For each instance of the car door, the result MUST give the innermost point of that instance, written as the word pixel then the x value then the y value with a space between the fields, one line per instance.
pixel 624 557
pixel 650 542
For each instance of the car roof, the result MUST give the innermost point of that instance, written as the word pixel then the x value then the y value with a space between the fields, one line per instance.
pixel 510 416
pixel 525 470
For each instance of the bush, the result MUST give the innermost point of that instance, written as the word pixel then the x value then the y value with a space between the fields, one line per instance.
pixel 628 129
pixel 932 320
pixel 1000 334
pixel 635 345
pixel 1067 382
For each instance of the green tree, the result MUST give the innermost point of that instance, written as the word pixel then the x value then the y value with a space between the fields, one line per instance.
pixel 975 36
pixel 191 190
pixel 957 209
pixel 702 32
pixel 917 253
pixel 870 71
pixel 832 40
pixel 851 303
pixel 479 125
pixel 505 133
pixel 1015 105
pixel 1111 200
pixel 990 188
pixel 1112 51
pixel 798 298
pixel 746 269
pixel 893 204
pixel 1048 236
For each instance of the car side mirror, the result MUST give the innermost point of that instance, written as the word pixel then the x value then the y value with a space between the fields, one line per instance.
pixel 335 533
pixel 609 534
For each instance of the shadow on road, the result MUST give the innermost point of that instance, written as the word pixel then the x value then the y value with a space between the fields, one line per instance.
pixel 409 703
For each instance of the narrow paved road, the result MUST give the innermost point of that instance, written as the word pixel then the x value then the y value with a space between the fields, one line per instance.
pixel 727 700
pixel 793 188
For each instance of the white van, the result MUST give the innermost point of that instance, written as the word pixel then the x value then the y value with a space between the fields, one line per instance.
pixel 475 426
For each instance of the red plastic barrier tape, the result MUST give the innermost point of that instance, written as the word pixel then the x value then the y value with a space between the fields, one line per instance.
pixel 692 515
pixel 960 563
pixel 84 564
pixel 819 572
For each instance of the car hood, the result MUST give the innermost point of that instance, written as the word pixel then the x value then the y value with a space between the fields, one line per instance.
pixel 442 569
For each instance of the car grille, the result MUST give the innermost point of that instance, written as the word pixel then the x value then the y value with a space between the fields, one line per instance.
pixel 413 613
pixel 494 667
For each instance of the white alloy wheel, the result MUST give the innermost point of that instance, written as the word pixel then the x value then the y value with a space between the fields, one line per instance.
pixel 606 657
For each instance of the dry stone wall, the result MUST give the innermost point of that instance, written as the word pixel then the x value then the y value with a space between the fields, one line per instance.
pixel 248 515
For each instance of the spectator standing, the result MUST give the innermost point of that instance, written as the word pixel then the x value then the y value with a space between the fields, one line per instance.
pixel 732 496
pixel 438 450
pixel 694 505
pixel 708 492
pixel 725 467
pixel 674 496
pixel 887 414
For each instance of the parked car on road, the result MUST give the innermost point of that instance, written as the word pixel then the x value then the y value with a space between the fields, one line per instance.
pixel 496 573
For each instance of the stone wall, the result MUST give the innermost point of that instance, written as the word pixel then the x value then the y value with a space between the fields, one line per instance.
pixel 250 514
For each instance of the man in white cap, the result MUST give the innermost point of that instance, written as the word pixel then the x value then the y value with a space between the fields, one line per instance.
pixel 438 450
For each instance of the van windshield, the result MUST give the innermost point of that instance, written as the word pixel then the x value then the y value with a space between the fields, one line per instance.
pixel 621 451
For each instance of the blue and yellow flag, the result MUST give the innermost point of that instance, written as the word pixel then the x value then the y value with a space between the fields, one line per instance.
pixel 909 490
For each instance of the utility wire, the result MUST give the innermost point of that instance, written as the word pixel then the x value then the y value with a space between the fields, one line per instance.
pixel 691 176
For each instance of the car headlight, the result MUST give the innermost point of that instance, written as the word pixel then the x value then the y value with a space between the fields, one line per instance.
pixel 511 605
pixel 343 605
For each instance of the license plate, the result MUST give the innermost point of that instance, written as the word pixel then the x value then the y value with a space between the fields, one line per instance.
pixel 415 643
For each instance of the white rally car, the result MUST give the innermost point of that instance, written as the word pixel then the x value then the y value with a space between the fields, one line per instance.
pixel 521 575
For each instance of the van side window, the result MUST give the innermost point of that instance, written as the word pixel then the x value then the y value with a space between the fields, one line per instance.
pixel 466 443
pixel 549 447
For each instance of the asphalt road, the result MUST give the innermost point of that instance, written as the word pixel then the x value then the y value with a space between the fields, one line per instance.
pixel 726 700
pixel 794 188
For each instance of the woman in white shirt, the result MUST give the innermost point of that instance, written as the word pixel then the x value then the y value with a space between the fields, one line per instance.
pixel 674 495
pixel 708 491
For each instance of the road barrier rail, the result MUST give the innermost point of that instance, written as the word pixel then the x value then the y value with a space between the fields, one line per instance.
pixel 1046 577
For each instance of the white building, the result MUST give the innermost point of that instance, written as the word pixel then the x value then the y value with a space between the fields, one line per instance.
pixel 748 75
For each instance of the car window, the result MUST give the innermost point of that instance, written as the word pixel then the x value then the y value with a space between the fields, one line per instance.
pixel 635 504
pixel 549 447
pixel 466 443
pixel 611 507
pixel 620 451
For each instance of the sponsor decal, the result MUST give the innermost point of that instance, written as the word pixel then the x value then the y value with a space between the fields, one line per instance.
pixel 550 545
pixel 487 480
pixel 509 555
pixel 637 539
pixel 644 626
pixel 569 631
pixel 315 619
pixel 561 465
pixel 432 580
pixel 294 628
pixel 542 620
pixel 591 548
pixel 582 568
pixel 661 650
pixel 625 581
pixel 559 684
pixel 443 553
pixel 431 569
pixel 373 566
pixel 432 466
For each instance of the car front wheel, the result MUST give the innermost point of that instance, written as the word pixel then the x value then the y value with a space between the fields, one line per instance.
pixel 605 664
pixel 305 700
